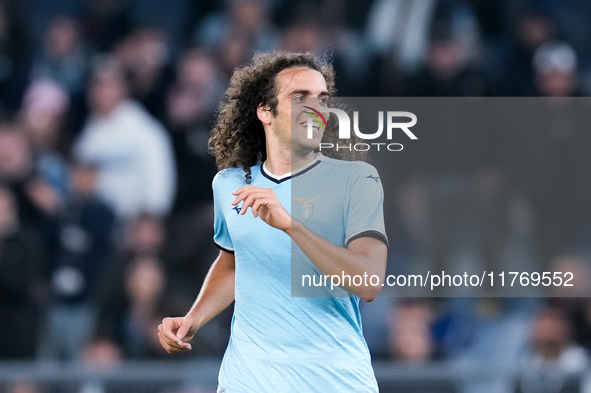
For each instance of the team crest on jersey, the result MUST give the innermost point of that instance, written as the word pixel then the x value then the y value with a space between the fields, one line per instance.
pixel 307 207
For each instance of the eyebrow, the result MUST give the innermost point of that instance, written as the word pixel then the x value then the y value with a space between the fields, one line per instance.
pixel 307 93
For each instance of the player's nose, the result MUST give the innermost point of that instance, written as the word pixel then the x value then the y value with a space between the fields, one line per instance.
pixel 314 102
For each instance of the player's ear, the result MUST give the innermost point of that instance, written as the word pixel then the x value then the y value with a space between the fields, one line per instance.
pixel 264 114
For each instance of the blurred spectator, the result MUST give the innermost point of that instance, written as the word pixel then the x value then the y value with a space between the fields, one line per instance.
pixel 347 14
pixel 377 323
pixel 102 352
pixel 305 35
pixel 81 245
pixel 448 71
pixel 572 16
pixel 146 234
pixel 318 32
pixel 23 387
pixel 189 250
pixel 36 177
pixel 15 154
pixel 43 117
pixel 184 256
pixel 63 56
pixel 410 338
pixel 248 19
pixel 553 361
pixel 402 28
pixel 172 16
pixel 551 342
pixel 572 300
pixel 534 27
pixel 323 34
pixel 17 172
pixel 145 284
pixel 186 252
pixel 190 105
pixel 22 287
pixel 196 90
pixel 133 311
pixel 576 272
pixel 547 163
pixel 105 22
pixel 99 354
pixel 512 62
pixel 556 70
pixel 231 53
pixel 144 57
pixel 130 149
pixel 452 202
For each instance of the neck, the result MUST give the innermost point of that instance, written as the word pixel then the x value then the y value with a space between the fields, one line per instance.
pixel 107 110
pixel 280 161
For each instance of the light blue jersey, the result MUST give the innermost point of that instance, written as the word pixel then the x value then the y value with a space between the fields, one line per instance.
pixel 281 343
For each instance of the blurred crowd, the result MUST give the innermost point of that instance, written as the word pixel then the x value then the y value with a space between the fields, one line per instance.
pixel 105 197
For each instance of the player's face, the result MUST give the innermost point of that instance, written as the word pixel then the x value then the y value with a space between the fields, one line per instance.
pixel 297 88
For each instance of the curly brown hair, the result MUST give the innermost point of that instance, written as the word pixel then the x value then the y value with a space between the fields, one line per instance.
pixel 238 138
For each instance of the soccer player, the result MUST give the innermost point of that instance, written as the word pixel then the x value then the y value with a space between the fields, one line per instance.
pixel 329 223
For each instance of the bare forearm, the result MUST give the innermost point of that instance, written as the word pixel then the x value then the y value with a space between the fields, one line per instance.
pixel 217 292
pixel 331 259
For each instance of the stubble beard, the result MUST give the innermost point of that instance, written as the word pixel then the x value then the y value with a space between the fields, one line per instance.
pixel 288 142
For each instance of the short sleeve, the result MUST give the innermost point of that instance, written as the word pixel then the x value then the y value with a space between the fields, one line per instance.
pixel 364 216
pixel 221 235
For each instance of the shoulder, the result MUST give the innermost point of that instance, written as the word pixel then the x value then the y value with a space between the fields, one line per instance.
pixel 353 168
pixel 230 177
pixel 359 176
pixel 227 175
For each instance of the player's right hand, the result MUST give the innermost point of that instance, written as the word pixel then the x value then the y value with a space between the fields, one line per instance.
pixel 175 333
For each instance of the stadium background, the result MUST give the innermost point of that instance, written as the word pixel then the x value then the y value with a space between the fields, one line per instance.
pixel 90 263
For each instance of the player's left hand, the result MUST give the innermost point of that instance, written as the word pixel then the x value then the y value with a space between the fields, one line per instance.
pixel 264 204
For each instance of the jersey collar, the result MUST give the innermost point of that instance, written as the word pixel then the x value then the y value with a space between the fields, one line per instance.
pixel 286 176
